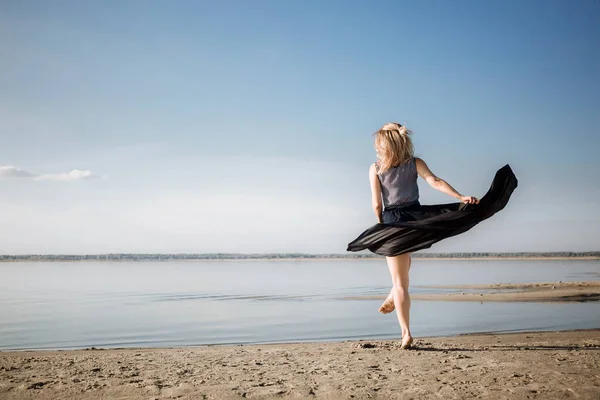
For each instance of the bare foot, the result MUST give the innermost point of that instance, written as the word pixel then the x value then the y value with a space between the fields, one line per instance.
pixel 406 342
pixel 387 306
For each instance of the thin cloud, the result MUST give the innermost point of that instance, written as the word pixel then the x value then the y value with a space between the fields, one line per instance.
pixel 13 172
pixel 73 175
pixel 10 171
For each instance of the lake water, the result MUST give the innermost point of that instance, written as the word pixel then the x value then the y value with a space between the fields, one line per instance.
pixel 161 304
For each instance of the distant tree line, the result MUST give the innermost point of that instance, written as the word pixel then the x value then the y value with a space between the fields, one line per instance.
pixel 276 256
pixel 555 254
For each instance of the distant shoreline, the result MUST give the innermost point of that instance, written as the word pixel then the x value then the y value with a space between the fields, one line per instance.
pixel 267 258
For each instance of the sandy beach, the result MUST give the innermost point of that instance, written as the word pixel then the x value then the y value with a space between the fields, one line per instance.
pixel 581 291
pixel 542 365
pixel 548 291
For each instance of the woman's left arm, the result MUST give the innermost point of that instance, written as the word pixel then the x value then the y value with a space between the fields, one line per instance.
pixel 375 193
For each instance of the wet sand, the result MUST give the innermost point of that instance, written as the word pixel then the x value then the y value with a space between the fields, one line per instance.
pixel 507 292
pixel 542 365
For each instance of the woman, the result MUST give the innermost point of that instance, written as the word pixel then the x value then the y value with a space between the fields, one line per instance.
pixel 404 225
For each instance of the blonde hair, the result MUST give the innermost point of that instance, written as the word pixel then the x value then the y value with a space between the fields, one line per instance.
pixel 393 146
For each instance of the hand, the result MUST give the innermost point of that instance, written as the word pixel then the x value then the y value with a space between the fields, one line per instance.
pixel 469 199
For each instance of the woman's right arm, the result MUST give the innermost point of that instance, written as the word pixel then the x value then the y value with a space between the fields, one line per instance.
pixel 375 193
pixel 440 184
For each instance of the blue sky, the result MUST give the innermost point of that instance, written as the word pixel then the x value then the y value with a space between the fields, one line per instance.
pixel 245 126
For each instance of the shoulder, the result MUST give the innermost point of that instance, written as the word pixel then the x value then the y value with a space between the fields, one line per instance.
pixel 422 168
pixel 373 171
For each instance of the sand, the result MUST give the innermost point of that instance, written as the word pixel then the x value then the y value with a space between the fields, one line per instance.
pixel 508 292
pixel 538 292
pixel 550 365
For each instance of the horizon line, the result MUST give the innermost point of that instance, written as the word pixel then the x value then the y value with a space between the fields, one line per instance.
pixel 307 255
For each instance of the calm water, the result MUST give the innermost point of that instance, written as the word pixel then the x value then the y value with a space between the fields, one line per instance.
pixel 158 304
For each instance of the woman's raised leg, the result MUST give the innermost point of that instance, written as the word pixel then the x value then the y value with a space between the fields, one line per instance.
pixel 399 266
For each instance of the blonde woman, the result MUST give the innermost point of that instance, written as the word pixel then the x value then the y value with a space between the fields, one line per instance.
pixel 404 225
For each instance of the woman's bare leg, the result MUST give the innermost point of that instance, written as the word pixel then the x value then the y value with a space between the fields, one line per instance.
pixel 399 267
pixel 388 305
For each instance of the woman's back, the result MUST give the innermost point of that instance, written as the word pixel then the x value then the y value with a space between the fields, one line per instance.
pixel 399 184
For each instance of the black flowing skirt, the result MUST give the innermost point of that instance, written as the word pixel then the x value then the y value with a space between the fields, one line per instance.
pixel 415 227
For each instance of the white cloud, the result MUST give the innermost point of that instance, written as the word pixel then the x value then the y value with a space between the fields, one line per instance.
pixel 10 171
pixel 13 172
pixel 72 175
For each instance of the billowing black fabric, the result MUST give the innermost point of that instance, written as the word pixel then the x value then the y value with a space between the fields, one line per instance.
pixel 417 227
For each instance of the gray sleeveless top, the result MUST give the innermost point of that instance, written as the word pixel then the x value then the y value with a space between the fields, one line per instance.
pixel 399 184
